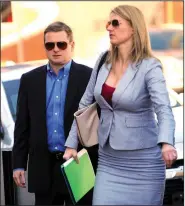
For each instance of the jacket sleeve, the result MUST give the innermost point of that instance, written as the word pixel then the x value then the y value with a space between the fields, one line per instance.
pixel 156 86
pixel 21 131
pixel 86 100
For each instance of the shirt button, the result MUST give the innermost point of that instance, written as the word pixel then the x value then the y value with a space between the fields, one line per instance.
pixel 57 97
pixel 64 75
pixel 55 131
pixel 55 113
pixel 56 147
pixel 58 80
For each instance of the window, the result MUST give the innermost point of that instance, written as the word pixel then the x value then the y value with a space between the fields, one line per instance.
pixel 11 90
pixel 165 40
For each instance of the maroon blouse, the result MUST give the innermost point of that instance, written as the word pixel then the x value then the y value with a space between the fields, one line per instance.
pixel 107 92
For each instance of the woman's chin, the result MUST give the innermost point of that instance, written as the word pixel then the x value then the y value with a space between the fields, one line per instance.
pixel 113 43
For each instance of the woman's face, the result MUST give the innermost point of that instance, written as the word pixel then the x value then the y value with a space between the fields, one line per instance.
pixel 120 31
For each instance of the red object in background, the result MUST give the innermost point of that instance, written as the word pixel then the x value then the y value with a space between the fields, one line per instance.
pixel 6 11
pixel 9 18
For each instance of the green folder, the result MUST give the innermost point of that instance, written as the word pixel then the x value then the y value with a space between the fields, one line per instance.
pixel 80 178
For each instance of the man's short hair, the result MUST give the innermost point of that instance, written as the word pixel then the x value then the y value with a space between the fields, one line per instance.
pixel 59 26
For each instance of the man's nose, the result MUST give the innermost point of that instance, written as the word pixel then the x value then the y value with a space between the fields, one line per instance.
pixel 56 48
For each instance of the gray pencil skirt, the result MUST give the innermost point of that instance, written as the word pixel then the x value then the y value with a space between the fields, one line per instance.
pixel 129 177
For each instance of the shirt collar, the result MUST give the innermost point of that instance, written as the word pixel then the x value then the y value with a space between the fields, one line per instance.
pixel 66 68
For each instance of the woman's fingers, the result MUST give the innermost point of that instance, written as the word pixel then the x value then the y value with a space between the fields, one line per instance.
pixel 169 154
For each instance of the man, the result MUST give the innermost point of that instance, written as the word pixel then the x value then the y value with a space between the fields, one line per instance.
pixel 48 97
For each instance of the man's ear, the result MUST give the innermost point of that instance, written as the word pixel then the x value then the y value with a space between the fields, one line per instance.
pixel 72 45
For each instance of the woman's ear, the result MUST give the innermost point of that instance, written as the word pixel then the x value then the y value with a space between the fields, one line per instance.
pixel 133 31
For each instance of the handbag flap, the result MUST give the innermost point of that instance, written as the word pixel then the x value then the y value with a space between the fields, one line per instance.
pixel 87 121
pixel 85 109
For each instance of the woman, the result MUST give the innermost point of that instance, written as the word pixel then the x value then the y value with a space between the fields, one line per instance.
pixel 130 87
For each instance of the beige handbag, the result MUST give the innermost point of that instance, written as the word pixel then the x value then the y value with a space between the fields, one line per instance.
pixel 87 121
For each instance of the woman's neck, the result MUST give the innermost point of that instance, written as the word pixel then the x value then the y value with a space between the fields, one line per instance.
pixel 124 53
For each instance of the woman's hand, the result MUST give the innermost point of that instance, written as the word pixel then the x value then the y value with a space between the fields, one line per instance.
pixel 70 152
pixel 169 154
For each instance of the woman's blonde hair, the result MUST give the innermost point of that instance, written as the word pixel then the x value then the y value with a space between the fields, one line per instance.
pixel 141 44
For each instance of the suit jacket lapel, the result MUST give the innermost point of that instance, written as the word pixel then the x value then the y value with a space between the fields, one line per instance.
pixel 71 87
pixel 124 82
pixel 42 89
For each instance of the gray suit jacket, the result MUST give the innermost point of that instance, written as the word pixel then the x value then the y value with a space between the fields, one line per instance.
pixel 130 122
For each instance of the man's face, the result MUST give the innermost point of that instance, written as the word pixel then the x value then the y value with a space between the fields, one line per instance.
pixel 59 50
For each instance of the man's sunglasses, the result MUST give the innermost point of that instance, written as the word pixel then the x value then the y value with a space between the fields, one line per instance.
pixel 115 23
pixel 51 45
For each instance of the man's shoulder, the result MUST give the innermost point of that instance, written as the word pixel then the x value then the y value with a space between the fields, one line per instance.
pixel 35 71
pixel 83 67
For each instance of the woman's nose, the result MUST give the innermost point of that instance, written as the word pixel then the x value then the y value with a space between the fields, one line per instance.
pixel 109 27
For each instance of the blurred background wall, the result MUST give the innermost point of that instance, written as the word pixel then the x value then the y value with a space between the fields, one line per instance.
pixel 23 23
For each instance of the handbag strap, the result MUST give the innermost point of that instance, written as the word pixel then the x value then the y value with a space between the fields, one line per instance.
pixel 102 61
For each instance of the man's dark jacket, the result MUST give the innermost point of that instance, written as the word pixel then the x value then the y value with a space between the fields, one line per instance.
pixel 30 135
